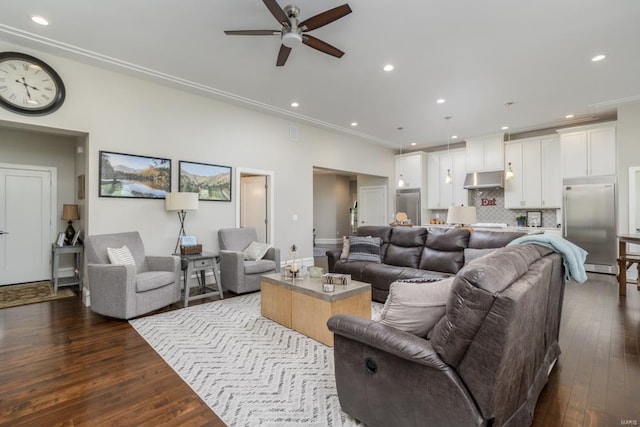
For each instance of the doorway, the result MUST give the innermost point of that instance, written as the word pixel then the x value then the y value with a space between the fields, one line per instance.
pixel 28 195
pixel 254 202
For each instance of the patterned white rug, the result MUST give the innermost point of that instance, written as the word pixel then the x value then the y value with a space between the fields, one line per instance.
pixel 250 370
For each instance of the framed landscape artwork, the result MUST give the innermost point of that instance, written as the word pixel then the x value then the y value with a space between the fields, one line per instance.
pixel 132 176
pixel 211 182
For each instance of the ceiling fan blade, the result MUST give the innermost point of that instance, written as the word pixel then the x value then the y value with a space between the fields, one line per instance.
pixel 277 12
pixel 321 46
pixel 324 18
pixel 283 55
pixel 253 33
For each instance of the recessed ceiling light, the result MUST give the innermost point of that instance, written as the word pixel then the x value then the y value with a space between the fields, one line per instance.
pixel 569 116
pixel 413 144
pixel 504 127
pixel 295 104
pixel 388 67
pixel 354 123
pixel 39 20
pixel 441 101
pixel 598 58
pixel 454 136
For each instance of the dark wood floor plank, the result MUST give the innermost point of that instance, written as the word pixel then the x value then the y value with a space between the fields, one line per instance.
pixel 63 365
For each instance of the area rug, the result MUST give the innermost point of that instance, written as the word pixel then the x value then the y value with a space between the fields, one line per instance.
pixel 30 293
pixel 250 370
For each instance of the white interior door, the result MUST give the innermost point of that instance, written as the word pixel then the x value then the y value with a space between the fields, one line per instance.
pixel 372 205
pixel 26 220
pixel 253 207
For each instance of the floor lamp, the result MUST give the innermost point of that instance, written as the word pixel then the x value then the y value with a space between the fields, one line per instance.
pixel 181 202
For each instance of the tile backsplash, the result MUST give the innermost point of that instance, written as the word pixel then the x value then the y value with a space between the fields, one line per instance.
pixel 493 210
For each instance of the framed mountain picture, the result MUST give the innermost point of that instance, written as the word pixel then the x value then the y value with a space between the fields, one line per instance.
pixel 211 182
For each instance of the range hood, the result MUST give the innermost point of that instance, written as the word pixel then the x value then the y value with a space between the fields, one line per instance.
pixel 484 180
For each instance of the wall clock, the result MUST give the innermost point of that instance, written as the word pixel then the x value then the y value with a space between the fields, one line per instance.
pixel 28 85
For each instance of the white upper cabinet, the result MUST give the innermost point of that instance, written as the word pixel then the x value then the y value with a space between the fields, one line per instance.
pixel 485 153
pixel 588 150
pixel 441 195
pixel 411 167
pixel 537 181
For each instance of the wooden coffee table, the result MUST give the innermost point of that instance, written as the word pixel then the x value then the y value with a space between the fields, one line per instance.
pixel 304 307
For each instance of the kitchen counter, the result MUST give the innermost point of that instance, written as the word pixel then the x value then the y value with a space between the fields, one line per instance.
pixel 529 230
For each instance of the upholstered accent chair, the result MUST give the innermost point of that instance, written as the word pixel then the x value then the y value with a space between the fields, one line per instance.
pixel 124 291
pixel 237 274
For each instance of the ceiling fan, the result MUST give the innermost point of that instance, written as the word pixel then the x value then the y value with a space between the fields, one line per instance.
pixel 294 32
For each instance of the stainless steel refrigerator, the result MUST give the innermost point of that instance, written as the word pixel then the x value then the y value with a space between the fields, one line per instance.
pixel 590 219
pixel 409 201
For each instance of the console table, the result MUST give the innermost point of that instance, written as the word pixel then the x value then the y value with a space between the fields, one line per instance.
pixel 200 263
pixel 56 251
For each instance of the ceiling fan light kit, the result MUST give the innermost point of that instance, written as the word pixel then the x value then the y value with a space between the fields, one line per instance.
pixel 293 32
pixel 291 39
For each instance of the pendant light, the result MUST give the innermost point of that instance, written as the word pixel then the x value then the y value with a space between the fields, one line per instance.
pixel 448 179
pixel 400 179
pixel 508 174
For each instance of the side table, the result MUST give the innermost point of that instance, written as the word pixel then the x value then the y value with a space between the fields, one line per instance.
pixel 200 263
pixel 56 251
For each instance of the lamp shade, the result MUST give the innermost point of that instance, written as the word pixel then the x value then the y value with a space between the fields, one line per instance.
pixel 181 202
pixel 70 212
pixel 462 215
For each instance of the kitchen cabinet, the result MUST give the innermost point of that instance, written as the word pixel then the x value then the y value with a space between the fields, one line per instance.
pixel 412 168
pixel 588 150
pixel 537 182
pixel 441 195
pixel 485 153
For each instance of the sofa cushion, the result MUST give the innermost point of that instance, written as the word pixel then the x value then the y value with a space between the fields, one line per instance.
pixel 444 261
pixel 405 246
pixel 415 307
pixel 259 266
pixel 482 239
pixel 472 254
pixel 473 295
pixel 364 249
pixel 150 280
pixel 354 268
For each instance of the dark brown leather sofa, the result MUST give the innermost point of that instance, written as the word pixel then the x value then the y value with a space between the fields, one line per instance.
pixel 417 252
pixel 483 364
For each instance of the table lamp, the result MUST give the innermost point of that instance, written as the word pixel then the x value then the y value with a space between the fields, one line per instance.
pixel 462 216
pixel 181 202
pixel 70 214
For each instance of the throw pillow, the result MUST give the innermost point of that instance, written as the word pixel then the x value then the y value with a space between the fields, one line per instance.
pixel 345 248
pixel 364 249
pixel 256 251
pixel 120 256
pixel 415 307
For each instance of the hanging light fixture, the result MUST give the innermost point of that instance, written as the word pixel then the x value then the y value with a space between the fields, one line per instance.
pixel 400 179
pixel 448 179
pixel 508 174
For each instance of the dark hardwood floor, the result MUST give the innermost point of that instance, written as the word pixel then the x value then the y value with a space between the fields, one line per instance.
pixel 60 364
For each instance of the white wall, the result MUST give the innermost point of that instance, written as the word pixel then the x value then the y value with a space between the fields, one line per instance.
pixel 124 114
pixel 331 203
pixel 628 137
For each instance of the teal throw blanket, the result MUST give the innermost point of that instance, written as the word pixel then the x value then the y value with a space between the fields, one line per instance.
pixel 573 256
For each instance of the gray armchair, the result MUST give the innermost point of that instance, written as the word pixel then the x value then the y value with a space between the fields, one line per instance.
pixel 237 274
pixel 126 291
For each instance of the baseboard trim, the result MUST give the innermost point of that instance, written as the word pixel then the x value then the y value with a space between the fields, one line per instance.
pixel 329 241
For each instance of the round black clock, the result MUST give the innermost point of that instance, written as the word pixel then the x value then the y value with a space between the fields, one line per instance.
pixel 28 85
